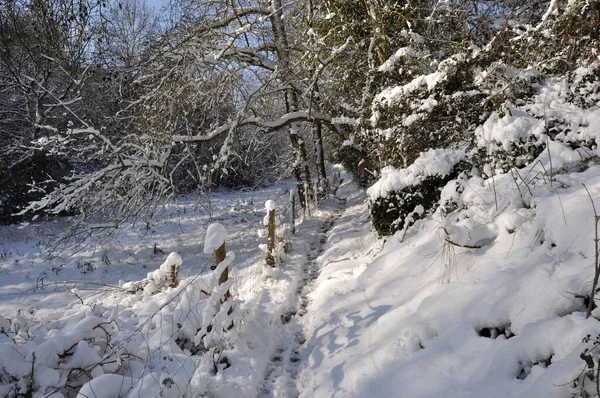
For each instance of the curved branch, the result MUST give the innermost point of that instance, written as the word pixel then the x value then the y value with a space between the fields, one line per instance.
pixel 263 125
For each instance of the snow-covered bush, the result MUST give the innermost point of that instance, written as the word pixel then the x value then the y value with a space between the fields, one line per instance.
pixel 167 275
pixel 587 383
pixel 400 193
pixel 169 338
pixel 45 361
pixel 503 108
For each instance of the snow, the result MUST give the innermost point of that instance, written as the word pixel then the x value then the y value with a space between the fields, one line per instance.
pixel 75 309
pixel 216 235
pixel 164 271
pixel 392 95
pixel 509 129
pixel 345 120
pixel 157 341
pixel 484 297
pixel 481 298
pixel 410 119
pixel 434 162
pixel 402 52
pixel 405 319
pixel 428 104
pixel 106 386
pixel 270 205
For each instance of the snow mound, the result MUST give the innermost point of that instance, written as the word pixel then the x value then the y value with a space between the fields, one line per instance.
pixel 434 162
pixel 106 386
pixel 270 205
pixel 166 269
pixel 216 235
pixel 483 298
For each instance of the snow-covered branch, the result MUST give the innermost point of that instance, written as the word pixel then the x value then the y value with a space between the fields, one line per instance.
pixel 263 125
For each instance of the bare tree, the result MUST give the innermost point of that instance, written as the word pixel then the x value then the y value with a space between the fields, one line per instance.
pixel 44 59
pixel 226 69
pixel 128 28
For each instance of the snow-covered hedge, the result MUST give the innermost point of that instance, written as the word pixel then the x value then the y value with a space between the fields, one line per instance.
pixel 553 127
pixel 400 191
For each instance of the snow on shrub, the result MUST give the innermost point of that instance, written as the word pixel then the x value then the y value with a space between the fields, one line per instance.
pixel 446 69
pixel 400 191
pixel 165 276
pixel 551 124
pixel 162 340
pixel 425 110
pixel 434 162
pixel 554 129
pixel 560 114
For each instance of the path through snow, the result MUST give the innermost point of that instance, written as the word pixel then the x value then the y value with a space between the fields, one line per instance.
pixel 286 361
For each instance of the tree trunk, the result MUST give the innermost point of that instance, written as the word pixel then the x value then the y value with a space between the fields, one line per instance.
pixel 301 167
pixel 320 159
pixel 34 111
pixel 299 171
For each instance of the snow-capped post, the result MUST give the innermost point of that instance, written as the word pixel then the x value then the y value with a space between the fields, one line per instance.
pixel 167 275
pixel 174 272
pixel 270 206
pixel 293 222
pixel 215 243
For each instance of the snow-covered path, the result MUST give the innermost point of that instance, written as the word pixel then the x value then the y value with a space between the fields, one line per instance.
pixel 349 246
pixel 286 361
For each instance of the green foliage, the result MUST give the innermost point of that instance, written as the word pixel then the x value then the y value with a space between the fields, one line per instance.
pixel 349 157
pixel 390 213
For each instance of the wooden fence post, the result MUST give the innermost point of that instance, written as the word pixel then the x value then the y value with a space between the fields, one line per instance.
pixel 216 236
pixel 270 205
pixel 215 243
pixel 174 275
pixel 220 255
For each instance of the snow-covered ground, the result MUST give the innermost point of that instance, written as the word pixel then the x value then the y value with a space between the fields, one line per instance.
pixel 424 317
pixel 30 276
pixel 106 312
pixel 70 317
pixel 483 298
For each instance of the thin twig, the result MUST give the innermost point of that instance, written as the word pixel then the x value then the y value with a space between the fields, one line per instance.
pixel 562 209
pixel 495 195
pixel 549 158
pixel 596 269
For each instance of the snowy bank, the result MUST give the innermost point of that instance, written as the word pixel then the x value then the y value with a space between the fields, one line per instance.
pixel 427 316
